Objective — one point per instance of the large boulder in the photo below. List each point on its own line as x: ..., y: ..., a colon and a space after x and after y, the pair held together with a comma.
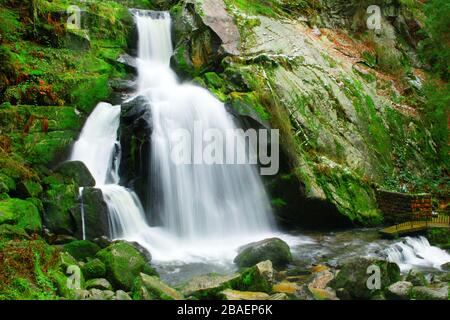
x: 152, y: 288
x: 123, y: 264
x: 273, y: 249
x: 21, y: 213
x: 78, y: 171
x: 352, y: 281
x: 208, y: 287
x: 82, y: 249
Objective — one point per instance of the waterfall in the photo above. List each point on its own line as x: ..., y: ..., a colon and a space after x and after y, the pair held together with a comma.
x: 416, y: 252
x: 206, y: 211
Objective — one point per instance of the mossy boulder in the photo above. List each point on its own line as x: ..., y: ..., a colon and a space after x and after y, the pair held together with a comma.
x: 257, y: 278
x: 28, y: 189
x: 21, y: 213
x: 208, y: 287
x: 94, y: 268
x: 82, y: 249
x: 9, y: 232
x: 78, y: 171
x: 152, y: 288
x: 273, y: 249
x: 123, y: 264
x: 417, y: 278
x: 352, y: 280
x: 60, y: 205
x: 437, y: 291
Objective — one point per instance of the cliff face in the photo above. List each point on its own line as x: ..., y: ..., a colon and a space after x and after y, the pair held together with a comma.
x: 345, y: 98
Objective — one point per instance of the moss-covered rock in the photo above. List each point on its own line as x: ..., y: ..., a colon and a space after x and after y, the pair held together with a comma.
x: 123, y: 264
x: 152, y: 288
x: 257, y: 278
x: 21, y: 213
x: 273, y: 249
x: 94, y: 268
x: 351, y: 281
x: 82, y: 249
x: 60, y: 205
x: 78, y: 171
x: 96, y: 215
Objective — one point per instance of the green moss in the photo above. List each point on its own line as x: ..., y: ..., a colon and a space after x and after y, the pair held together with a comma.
x: 123, y: 264
x: 93, y: 269
x: 82, y: 249
x: 22, y: 213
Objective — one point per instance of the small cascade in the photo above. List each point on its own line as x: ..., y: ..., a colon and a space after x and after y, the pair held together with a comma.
x: 416, y: 252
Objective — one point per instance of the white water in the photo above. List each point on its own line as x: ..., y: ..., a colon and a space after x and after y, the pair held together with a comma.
x: 207, y: 211
x: 416, y: 252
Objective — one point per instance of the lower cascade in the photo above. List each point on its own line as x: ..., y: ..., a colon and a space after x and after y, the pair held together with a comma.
x: 205, y: 211
x: 416, y: 252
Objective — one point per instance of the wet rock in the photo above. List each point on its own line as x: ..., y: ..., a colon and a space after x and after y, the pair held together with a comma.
x: 243, y: 295
x: 152, y: 288
x: 351, y: 281
x: 129, y: 62
x: 279, y: 296
x: 399, y: 290
x: 96, y: 215
x: 286, y: 287
x: 123, y: 264
x: 78, y: 171
x: 417, y: 278
x: 446, y: 266
x: 122, y: 295
x: 101, y: 284
x: 437, y: 291
x: 208, y: 286
x: 257, y: 278
x: 273, y: 249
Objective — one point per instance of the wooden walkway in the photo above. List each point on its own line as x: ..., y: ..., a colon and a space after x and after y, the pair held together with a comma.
x: 415, y: 226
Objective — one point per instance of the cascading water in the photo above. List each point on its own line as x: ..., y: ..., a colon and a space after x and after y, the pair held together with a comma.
x: 194, y: 201
x: 206, y: 211
x: 416, y: 252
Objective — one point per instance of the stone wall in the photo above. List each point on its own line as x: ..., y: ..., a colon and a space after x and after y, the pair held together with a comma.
x: 397, y: 207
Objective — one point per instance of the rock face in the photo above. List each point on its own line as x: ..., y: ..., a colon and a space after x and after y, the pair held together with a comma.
x: 274, y: 249
x: 136, y: 129
x: 304, y: 79
x: 354, y: 279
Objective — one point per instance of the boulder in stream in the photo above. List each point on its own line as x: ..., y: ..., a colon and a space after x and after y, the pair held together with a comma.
x: 273, y: 249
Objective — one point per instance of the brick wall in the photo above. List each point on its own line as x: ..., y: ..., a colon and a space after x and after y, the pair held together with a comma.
x: 398, y: 207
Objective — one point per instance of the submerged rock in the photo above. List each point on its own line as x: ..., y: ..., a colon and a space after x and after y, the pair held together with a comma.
x: 273, y: 249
